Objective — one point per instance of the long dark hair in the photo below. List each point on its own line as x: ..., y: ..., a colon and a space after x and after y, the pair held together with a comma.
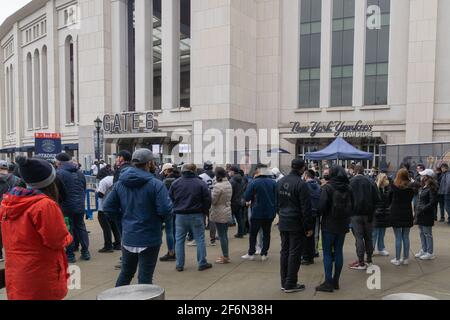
x: 51, y: 191
x: 220, y: 173
x: 431, y: 183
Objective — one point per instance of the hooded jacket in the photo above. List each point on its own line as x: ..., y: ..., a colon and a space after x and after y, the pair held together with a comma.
x: 294, y: 204
x: 34, y: 237
x: 329, y: 223
x: 144, y: 203
x: 75, y: 186
x: 238, y: 184
x: 365, y: 194
x: 221, y: 202
x: 262, y: 192
x: 425, y: 207
x: 401, y: 206
x: 190, y: 195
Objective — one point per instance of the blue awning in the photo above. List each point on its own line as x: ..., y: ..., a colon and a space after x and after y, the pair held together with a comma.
x: 8, y: 150
x: 339, y: 149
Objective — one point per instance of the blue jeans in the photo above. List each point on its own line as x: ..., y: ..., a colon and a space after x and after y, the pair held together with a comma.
x: 79, y: 232
x: 333, y: 245
x: 170, y: 236
x: 402, y: 236
x: 183, y: 224
x: 426, y: 238
x: 222, y: 229
x: 147, y: 263
x: 378, y: 238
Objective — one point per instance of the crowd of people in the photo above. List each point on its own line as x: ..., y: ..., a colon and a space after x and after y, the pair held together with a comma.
x: 43, y: 212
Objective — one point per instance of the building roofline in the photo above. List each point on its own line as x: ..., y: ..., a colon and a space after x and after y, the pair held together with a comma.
x: 19, y: 15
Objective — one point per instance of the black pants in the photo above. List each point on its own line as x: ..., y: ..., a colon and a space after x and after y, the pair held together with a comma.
x: 309, y: 248
x: 109, y: 228
x: 255, y: 226
x: 292, y: 243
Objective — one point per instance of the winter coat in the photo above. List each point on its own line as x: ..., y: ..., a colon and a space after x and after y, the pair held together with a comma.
x: 221, y: 202
x: 117, y: 173
x: 383, y: 210
x: 262, y: 192
x: 75, y: 185
x: 208, y: 178
x: 314, y: 191
x: 401, y: 206
x: 190, y: 195
x: 238, y: 184
x: 34, y: 238
x: 365, y: 194
x: 425, y: 207
x: 444, y: 186
x: 144, y: 203
x: 329, y: 223
x: 294, y: 204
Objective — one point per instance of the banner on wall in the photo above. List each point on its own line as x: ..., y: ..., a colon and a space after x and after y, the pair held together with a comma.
x: 47, y: 145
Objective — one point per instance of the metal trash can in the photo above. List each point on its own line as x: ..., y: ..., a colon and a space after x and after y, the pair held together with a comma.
x: 408, y: 296
x: 135, y: 292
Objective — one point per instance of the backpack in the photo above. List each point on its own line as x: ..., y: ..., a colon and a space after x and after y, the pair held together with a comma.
x: 342, y: 204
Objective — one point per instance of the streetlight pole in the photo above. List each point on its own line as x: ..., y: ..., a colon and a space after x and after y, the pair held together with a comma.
x: 98, y: 125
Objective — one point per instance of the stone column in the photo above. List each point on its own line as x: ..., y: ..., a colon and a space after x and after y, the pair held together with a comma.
x: 170, y: 54
x: 119, y: 33
x: 359, y: 60
x: 326, y: 51
x: 144, y: 55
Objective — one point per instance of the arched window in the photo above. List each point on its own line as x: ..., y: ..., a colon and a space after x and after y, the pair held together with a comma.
x: 44, y: 84
x: 37, y: 89
x: 70, y: 80
x: 29, y: 92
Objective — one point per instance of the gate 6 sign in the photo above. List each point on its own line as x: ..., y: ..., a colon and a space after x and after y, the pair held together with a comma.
x: 129, y: 122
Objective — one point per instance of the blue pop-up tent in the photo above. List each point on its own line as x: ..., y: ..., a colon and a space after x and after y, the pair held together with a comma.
x: 339, y: 149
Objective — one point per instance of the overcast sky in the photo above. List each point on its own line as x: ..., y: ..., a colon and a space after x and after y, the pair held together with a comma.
x: 8, y: 7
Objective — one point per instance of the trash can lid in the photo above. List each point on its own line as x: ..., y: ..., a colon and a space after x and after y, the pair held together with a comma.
x: 408, y: 296
x: 133, y: 292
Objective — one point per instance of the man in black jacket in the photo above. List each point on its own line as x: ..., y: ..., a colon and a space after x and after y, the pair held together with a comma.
x: 295, y: 224
x: 123, y: 161
x: 366, y: 197
x: 237, y: 199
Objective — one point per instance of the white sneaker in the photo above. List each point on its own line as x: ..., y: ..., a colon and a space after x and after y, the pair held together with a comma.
x: 383, y: 253
x: 258, y: 252
x: 427, y: 256
x: 192, y: 243
x: 419, y: 254
x: 248, y: 257
x: 395, y: 262
x: 264, y: 258
x: 405, y: 262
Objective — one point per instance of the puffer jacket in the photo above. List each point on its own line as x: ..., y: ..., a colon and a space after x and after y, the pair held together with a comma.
x: 34, y: 237
x: 383, y: 210
x: 144, y: 203
x: 221, y: 202
x: 425, y: 207
x: 75, y: 185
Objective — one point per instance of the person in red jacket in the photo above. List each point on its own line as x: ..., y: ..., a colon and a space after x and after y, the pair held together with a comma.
x: 34, y: 236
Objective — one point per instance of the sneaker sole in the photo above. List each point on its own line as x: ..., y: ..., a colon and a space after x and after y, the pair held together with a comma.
x: 294, y: 290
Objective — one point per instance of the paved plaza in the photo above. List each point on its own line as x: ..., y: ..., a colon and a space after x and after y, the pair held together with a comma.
x: 243, y: 280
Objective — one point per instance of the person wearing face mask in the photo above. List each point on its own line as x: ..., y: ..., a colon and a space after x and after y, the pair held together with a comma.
x: 145, y: 204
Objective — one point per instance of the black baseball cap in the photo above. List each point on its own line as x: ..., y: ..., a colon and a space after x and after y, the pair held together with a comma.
x: 125, y: 154
x: 298, y: 164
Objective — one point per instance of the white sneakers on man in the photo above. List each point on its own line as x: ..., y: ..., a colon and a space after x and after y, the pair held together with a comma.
x: 382, y: 253
x: 396, y: 262
x: 427, y: 256
x: 419, y: 254
x: 264, y: 258
x: 248, y: 257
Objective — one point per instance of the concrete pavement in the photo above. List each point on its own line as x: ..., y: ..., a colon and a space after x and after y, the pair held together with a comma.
x: 243, y: 280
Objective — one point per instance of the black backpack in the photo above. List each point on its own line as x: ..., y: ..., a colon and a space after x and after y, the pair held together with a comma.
x: 342, y: 204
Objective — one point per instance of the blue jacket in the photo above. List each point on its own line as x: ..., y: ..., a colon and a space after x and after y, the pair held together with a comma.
x: 144, y: 203
x: 190, y: 194
x: 74, y: 184
x: 262, y: 192
x: 314, y: 191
